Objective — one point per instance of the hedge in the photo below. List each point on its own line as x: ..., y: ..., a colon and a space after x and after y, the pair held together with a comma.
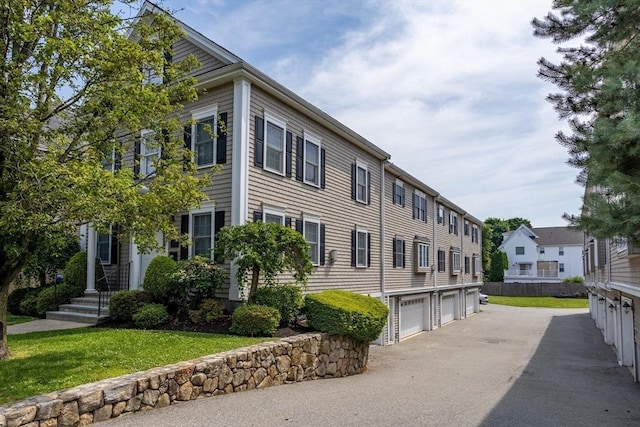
x: 157, y: 279
x: 287, y: 299
x: 255, y: 320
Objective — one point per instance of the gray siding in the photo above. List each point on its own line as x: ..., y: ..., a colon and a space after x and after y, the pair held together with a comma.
x: 183, y: 48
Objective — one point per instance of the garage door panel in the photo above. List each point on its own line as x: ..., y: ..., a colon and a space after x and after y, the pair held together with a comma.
x: 472, y: 300
x: 448, y: 309
x: 412, y: 317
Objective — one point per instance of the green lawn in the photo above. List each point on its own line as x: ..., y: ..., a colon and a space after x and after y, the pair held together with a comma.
x: 42, y: 362
x: 12, y: 319
x: 550, y: 302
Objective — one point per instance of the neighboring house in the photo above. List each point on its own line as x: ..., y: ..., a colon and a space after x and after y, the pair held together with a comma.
x: 542, y: 255
x: 371, y: 227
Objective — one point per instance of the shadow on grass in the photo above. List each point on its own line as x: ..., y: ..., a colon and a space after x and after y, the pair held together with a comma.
x: 572, y: 379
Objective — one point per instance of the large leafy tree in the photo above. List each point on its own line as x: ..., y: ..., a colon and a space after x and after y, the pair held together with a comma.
x: 74, y: 97
x: 492, y: 233
x: 599, y: 82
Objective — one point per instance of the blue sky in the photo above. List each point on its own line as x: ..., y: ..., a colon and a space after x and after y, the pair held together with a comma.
x: 448, y: 88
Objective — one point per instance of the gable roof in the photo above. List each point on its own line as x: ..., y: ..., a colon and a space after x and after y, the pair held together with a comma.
x: 558, y: 236
x: 523, y: 229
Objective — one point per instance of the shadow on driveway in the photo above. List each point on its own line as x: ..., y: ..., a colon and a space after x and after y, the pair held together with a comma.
x: 573, y: 378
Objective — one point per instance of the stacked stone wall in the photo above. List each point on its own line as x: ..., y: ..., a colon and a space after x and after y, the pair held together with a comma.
x: 299, y: 358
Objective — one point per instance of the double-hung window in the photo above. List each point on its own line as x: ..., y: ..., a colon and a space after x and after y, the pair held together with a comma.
x: 398, y: 193
x: 561, y: 267
x: 453, y: 223
x: 422, y: 256
x: 440, y: 215
x: 561, y: 251
x: 419, y: 206
x: 204, y: 136
x: 273, y: 215
x: 466, y: 228
x: 455, y: 261
x: 361, y: 183
x: 477, y: 265
x: 149, y: 153
x: 441, y: 261
x: 274, y: 153
x: 311, y: 161
x: 467, y: 265
x: 201, y: 231
x: 104, y: 248
x: 519, y: 250
x: 398, y: 252
x: 312, y: 236
x: 361, y: 247
x: 474, y: 234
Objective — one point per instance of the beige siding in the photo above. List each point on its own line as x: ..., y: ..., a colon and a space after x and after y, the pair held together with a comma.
x: 333, y: 205
x: 624, y: 269
x: 445, y: 241
x: 183, y: 48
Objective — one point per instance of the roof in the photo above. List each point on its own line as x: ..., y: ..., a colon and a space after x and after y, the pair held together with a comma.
x: 558, y: 236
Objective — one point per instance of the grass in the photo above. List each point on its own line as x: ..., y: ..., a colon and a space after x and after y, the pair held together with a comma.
x: 548, y: 302
x: 12, y: 319
x: 42, y: 362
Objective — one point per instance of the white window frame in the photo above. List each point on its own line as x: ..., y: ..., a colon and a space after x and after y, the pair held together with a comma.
x: 561, y: 251
x: 421, y: 198
x: 466, y: 228
x: 456, y: 261
x: 440, y: 215
x: 110, y: 235
x: 314, y: 140
x: 444, y: 261
x: 477, y: 266
x: 365, y: 235
x: 467, y: 264
x: 109, y: 163
x: 541, y: 250
x: 422, y: 255
x: 313, y: 250
x: 474, y: 234
x: 561, y: 267
x: 398, y: 187
x: 516, y: 250
x: 453, y: 223
x: 269, y: 118
x: 272, y: 211
x: 399, y: 254
x: 362, y: 166
x: 147, y: 167
x: 197, y: 116
x: 206, y: 208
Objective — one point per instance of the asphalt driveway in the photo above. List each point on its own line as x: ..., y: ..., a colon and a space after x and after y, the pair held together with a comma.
x: 505, y: 366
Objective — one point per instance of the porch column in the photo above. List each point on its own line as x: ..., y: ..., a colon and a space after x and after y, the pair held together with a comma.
x: 134, y: 273
x: 91, y: 259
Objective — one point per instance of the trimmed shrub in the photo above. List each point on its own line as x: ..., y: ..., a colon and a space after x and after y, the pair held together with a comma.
x: 157, y: 279
x: 150, y: 316
x: 574, y: 279
x: 52, y: 297
x: 75, y: 273
x: 346, y: 313
x: 209, y: 311
x: 15, y: 298
x: 255, y: 320
x: 195, y: 280
x: 123, y: 305
x: 29, y: 304
x: 287, y: 299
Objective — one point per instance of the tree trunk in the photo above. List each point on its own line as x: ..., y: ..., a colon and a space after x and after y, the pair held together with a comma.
x: 254, y: 284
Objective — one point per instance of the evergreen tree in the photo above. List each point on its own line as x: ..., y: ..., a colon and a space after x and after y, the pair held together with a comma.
x: 599, y: 96
x: 499, y: 264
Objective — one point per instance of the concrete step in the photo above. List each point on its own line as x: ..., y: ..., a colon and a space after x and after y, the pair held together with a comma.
x: 76, y: 317
x: 83, y: 308
x: 88, y: 300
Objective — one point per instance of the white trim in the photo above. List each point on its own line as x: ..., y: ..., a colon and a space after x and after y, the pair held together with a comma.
x: 269, y: 117
x: 628, y: 289
x: 315, y: 140
x: 362, y: 165
x: 110, y: 234
x: 144, y: 157
x: 274, y: 211
x: 366, y: 247
x: 205, y: 208
x: 197, y: 115
x: 314, y: 220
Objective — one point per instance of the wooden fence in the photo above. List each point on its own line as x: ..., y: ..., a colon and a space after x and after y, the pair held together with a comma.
x: 533, y: 289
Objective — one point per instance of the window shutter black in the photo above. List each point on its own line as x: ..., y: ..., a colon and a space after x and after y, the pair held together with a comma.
x: 415, y: 203
x: 184, y: 229
x: 323, y: 173
x: 394, y: 191
x: 353, y: 181
x: 353, y: 248
x: 404, y: 254
x: 368, y: 249
x: 402, y: 188
x: 168, y: 59
x: 299, y: 159
x: 299, y: 226
x: 136, y: 158
x: 114, y: 245
x: 218, y: 221
x: 394, y: 252
x: 289, y: 160
x: 258, y: 149
x: 287, y: 221
x: 368, y: 188
x: 165, y: 143
x: 221, y: 143
x: 322, y: 243
x: 117, y: 160
x: 187, y: 144
x: 257, y: 216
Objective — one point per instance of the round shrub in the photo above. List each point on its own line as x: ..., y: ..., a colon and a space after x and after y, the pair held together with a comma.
x: 209, y: 311
x: 150, y: 316
x: 52, y: 297
x: 75, y: 273
x: 287, y: 299
x: 255, y: 320
x: 123, y: 305
x: 157, y: 279
x: 15, y: 298
x: 346, y: 313
x: 197, y: 279
x: 29, y: 304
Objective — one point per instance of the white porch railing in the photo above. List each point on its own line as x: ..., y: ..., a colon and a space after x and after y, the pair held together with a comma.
x: 530, y: 273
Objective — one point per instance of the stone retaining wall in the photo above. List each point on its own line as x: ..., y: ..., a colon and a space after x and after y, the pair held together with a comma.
x: 299, y: 358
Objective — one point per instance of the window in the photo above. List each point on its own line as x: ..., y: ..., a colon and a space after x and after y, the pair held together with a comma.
x: 273, y: 215
x: 398, y: 252
x: 362, y: 184
x: 398, y: 193
x: 361, y: 247
x: 474, y: 234
x: 477, y: 265
x: 422, y: 256
x: 312, y: 235
x: 453, y: 223
x: 467, y: 265
x: 560, y: 251
x: 466, y: 228
x: 419, y: 206
x: 542, y: 249
x: 441, y: 261
x: 149, y: 153
x: 201, y: 231
x: 455, y: 262
x: 440, y: 215
x: 312, y: 162
x: 561, y: 267
x: 275, y: 144
x: 204, y: 142
x: 519, y: 250
x: 104, y: 248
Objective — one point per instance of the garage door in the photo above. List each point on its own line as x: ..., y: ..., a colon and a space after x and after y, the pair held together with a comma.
x: 411, y: 317
x: 448, y: 309
x: 472, y: 300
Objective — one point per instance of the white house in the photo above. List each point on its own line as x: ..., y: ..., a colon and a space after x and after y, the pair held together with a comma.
x: 545, y: 254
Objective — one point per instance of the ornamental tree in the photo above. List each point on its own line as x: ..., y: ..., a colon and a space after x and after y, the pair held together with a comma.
x: 78, y: 85
x: 599, y: 83
x: 264, y: 250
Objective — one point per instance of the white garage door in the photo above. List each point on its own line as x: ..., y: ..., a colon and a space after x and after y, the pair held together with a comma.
x: 448, y: 309
x: 411, y: 317
x: 472, y: 300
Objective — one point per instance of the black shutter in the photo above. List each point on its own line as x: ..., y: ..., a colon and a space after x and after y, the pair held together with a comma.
x: 394, y: 191
x: 184, y: 229
x: 187, y: 145
x: 404, y: 254
x: 287, y: 221
x: 117, y: 160
x: 299, y: 226
x: 257, y: 216
x: 368, y: 188
x: 353, y: 181
x: 323, y: 173
x: 136, y: 158
x: 218, y: 223
x: 168, y: 59
x: 114, y: 245
x: 165, y: 144
x: 402, y: 189
x: 288, y: 148
x: 353, y: 248
x: 299, y: 159
x: 221, y: 144
x: 414, y: 205
x: 258, y: 149
x: 368, y: 249
x: 393, y: 243
x: 322, y: 243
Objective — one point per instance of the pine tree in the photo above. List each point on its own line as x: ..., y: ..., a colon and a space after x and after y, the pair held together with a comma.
x: 599, y: 82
